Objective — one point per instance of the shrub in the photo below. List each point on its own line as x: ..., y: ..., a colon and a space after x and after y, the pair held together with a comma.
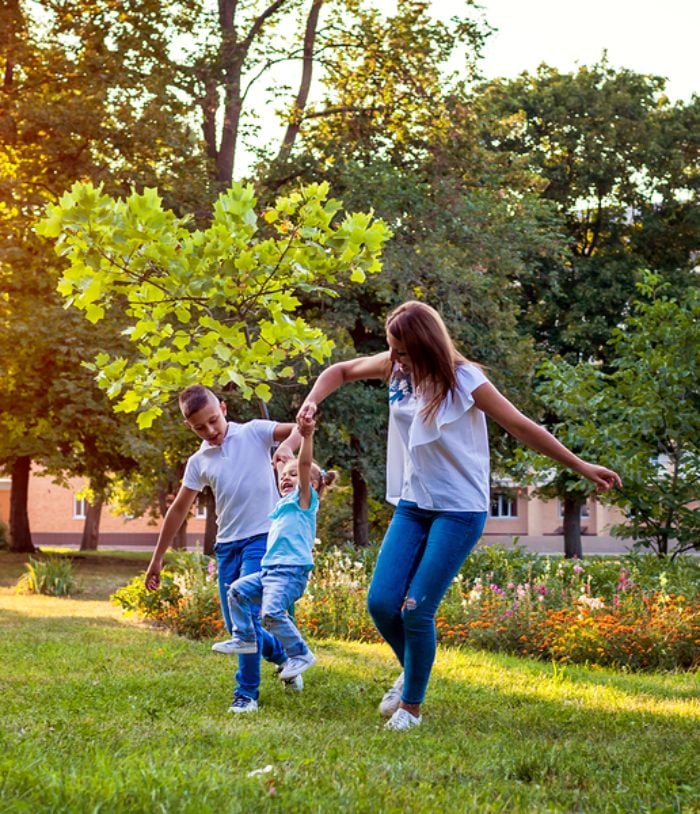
x: 52, y: 576
x: 4, y: 537
x: 335, y: 602
x: 187, y: 600
x: 635, y: 612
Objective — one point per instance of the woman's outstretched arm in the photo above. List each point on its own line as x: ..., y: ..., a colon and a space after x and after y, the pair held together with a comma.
x: 503, y: 412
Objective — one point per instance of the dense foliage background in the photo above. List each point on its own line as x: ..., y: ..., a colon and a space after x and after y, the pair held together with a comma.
x: 527, y: 210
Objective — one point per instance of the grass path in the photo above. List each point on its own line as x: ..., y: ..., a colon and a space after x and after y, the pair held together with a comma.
x: 103, y: 714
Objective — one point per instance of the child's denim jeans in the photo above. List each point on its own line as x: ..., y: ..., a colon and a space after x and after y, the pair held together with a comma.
x: 422, y: 553
x: 275, y: 589
x: 234, y: 560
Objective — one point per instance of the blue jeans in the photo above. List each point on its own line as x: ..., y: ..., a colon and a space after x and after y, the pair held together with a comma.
x: 238, y: 559
x: 275, y: 589
x: 422, y: 553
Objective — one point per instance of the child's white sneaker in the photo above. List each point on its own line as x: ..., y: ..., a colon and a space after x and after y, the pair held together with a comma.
x: 392, y: 698
x: 241, y: 703
x: 402, y: 720
x: 296, y: 665
x: 235, y: 646
x: 296, y: 683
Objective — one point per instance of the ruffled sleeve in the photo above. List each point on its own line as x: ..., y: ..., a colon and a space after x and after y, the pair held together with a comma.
x: 469, y: 377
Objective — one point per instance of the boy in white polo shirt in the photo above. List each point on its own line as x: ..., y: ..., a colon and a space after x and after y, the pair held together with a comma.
x: 234, y: 461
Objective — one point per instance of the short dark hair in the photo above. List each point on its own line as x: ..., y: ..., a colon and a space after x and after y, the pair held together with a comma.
x: 194, y: 398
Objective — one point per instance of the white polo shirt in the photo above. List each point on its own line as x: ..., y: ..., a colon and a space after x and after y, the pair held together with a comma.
x: 240, y: 475
x: 442, y: 464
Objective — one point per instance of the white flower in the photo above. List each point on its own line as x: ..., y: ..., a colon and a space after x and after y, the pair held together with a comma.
x: 592, y: 602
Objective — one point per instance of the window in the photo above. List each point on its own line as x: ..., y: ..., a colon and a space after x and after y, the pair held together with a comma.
x: 585, y: 514
x: 503, y: 505
x: 200, y: 509
x: 79, y: 508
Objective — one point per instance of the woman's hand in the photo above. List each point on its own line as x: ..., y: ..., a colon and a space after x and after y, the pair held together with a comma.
x: 307, y: 412
x: 604, y: 478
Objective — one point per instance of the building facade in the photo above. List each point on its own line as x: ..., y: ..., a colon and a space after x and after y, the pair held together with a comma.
x: 57, y: 516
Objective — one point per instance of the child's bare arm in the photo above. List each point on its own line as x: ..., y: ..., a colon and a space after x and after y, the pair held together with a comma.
x: 174, y: 518
x: 304, y: 461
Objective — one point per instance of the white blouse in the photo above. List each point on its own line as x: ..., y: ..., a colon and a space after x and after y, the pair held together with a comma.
x: 442, y: 464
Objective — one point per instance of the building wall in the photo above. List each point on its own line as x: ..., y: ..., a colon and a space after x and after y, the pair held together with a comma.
x: 536, y: 517
x: 5, y: 484
x: 53, y: 522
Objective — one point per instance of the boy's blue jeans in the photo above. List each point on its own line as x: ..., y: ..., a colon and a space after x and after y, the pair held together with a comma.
x: 422, y: 553
x: 238, y: 559
x: 274, y: 589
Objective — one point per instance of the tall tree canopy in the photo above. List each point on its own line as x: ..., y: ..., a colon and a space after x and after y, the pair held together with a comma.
x: 75, y: 102
x: 621, y: 164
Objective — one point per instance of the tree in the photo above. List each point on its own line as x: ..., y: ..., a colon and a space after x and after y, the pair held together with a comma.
x: 212, y: 306
x: 383, y: 135
x: 68, y: 110
x: 618, y: 164
x: 642, y: 415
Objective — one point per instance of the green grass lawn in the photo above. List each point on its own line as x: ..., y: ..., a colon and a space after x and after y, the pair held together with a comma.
x: 104, y: 714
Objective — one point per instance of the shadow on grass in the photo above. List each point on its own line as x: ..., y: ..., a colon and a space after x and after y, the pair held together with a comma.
x: 97, y: 575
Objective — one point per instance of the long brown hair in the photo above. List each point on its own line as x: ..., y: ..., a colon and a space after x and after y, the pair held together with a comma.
x: 422, y: 332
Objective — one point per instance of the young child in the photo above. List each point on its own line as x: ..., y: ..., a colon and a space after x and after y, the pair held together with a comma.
x: 286, y: 565
x: 234, y: 460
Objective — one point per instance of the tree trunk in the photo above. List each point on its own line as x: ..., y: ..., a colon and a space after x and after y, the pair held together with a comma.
x: 360, y: 512
x: 91, y: 527
x: 305, y: 85
x: 210, y: 527
x: 572, y: 528
x: 20, y: 535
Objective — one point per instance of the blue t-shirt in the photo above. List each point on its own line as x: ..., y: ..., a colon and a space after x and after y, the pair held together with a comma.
x: 292, y: 533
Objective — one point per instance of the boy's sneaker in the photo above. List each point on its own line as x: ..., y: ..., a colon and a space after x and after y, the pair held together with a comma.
x: 392, y: 698
x: 402, y: 720
x: 296, y: 665
x: 296, y: 683
x: 241, y: 703
x: 235, y: 645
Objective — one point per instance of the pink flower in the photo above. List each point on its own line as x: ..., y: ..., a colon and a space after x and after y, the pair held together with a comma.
x: 577, y: 569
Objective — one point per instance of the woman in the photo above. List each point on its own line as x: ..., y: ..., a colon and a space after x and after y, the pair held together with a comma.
x: 438, y: 478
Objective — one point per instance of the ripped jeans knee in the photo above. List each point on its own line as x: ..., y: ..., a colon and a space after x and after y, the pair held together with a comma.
x: 417, y: 617
x: 269, y: 620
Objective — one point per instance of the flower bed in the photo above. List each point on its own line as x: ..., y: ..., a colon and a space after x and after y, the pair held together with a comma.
x: 635, y: 613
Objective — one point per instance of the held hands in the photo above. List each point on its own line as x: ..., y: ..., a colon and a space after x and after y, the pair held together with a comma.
x: 307, y: 411
x: 306, y: 427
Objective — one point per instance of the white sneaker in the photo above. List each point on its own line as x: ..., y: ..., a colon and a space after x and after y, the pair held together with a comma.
x: 296, y: 683
x: 235, y: 646
x: 392, y: 698
x: 296, y: 665
x: 241, y: 703
x: 402, y: 720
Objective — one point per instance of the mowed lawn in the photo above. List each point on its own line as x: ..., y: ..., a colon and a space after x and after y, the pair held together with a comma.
x: 101, y: 713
